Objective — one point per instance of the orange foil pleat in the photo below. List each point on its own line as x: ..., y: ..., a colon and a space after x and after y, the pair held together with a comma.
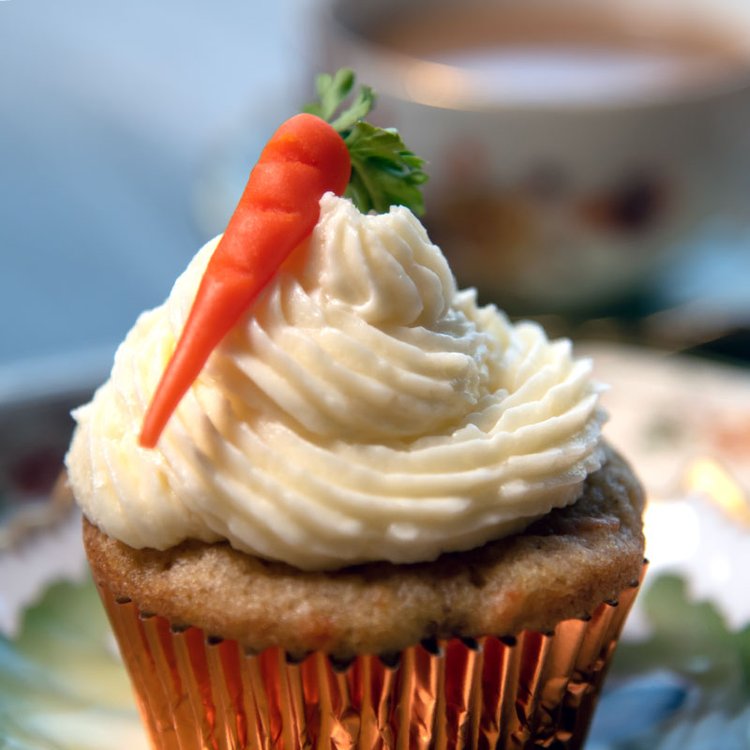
x: 532, y: 691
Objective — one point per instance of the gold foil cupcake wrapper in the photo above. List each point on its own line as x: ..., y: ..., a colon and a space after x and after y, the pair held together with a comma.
x: 531, y: 691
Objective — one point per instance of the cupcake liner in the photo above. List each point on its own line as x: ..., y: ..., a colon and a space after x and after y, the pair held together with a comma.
x: 528, y: 691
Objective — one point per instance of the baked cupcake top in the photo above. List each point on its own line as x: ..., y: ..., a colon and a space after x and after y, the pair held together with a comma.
x: 362, y: 409
x: 561, y: 567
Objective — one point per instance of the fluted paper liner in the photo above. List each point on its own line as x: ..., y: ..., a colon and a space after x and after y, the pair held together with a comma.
x: 532, y: 691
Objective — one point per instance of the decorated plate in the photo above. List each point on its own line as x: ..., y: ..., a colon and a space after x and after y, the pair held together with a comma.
x: 681, y: 677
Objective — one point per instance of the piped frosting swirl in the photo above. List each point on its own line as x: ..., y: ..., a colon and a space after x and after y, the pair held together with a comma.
x: 363, y: 409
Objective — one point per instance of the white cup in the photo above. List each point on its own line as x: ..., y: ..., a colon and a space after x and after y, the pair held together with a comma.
x: 572, y: 144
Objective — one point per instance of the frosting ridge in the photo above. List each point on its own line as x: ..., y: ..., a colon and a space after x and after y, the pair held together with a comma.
x: 363, y: 409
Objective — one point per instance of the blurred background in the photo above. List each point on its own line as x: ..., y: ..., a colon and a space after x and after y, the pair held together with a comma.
x: 590, y: 169
x: 109, y: 114
x: 589, y: 166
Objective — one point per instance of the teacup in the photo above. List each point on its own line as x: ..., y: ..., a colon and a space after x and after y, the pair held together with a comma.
x: 573, y: 145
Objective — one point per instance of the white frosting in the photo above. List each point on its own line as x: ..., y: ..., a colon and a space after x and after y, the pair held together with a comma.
x: 363, y: 409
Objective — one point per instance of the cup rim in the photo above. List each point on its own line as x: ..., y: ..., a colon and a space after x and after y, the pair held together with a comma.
x: 443, y: 86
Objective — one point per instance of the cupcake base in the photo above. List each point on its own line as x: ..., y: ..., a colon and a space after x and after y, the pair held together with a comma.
x: 533, y: 690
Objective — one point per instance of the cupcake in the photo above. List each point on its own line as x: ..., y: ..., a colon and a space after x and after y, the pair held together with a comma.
x: 359, y: 510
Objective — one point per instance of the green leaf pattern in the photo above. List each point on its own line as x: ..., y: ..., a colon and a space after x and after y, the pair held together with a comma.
x: 62, y: 684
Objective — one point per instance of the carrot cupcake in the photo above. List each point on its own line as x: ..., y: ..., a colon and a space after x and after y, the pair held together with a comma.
x: 332, y: 501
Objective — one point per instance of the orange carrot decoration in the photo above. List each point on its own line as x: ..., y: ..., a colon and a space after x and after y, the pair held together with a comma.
x: 278, y: 209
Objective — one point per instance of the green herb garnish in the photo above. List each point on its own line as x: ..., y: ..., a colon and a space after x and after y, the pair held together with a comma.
x: 384, y: 171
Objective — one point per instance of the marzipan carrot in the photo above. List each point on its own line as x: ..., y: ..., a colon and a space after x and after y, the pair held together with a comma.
x: 279, y: 208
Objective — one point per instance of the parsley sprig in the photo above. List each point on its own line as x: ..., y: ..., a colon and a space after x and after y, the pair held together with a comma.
x: 384, y: 171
